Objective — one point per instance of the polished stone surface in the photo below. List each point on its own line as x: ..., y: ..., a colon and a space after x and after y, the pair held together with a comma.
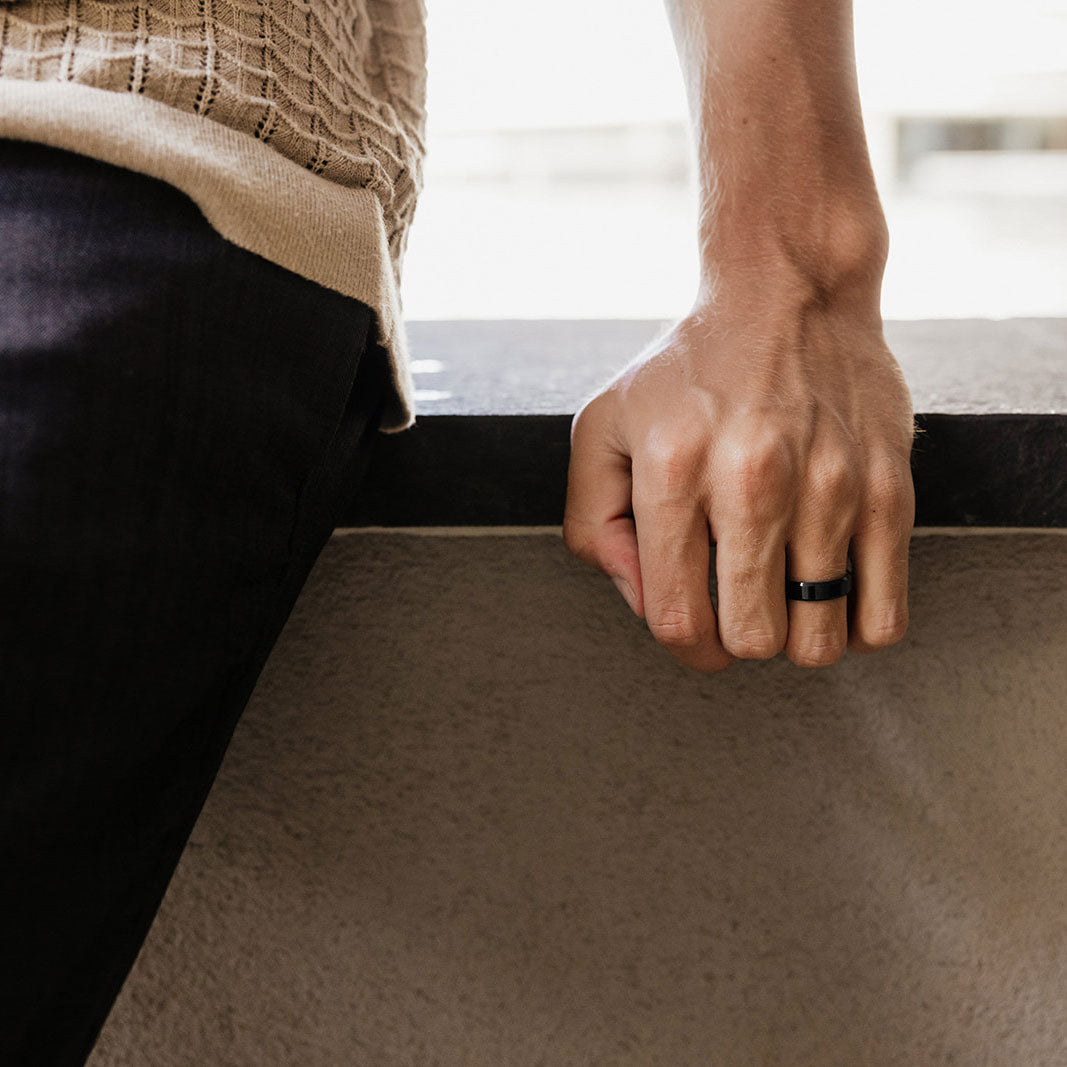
x: 543, y: 367
x: 491, y: 441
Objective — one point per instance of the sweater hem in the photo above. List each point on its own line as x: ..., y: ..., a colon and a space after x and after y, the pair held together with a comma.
x: 252, y: 195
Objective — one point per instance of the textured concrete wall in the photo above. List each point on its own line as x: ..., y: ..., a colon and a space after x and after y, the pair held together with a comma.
x: 475, y: 815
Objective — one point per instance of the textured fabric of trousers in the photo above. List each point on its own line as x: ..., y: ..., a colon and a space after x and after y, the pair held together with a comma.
x: 181, y: 424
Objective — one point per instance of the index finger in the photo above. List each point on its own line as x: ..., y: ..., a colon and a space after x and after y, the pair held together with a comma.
x: 673, y: 543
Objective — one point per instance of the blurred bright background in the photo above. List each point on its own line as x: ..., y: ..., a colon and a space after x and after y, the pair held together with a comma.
x: 559, y: 177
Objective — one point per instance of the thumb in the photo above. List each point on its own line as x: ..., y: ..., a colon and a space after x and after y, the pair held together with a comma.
x: 598, y: 525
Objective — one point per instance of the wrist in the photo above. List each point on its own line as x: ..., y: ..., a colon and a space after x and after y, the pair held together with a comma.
x: 786, y: 182
x: 833, y: 255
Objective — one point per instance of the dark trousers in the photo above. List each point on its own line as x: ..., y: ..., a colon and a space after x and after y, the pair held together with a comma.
x: 181, y: 423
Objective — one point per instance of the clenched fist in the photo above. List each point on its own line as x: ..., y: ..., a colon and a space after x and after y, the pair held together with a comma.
x: 778, y: 429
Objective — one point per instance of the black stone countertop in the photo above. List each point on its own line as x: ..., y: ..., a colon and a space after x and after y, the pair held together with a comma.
x: 496, y: 397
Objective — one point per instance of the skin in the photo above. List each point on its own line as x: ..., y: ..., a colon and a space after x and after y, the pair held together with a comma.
x: 772, y: 421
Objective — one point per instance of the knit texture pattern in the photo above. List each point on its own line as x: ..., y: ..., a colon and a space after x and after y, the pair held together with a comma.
x: 337, y: 86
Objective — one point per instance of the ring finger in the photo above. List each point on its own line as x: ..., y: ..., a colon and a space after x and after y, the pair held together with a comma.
x: 818, y: 629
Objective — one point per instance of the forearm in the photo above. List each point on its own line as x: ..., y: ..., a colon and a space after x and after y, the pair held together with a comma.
x: 786, y: 185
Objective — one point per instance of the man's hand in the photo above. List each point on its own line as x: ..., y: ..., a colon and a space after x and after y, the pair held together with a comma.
x: 772, y: 420
x: 781, y: 432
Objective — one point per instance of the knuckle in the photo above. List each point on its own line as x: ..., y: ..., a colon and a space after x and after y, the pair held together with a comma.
x: 818, y: 650
x: 760, y: 477
x: 835, y: 480
x: 675, y: 464
x: 753, y: 642
x: 809, y: 658
x: 677, y: 628
x: 886, y: 629
x: 889, y: 484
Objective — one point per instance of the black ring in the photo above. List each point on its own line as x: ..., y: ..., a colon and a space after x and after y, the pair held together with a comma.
x: 837, y: 587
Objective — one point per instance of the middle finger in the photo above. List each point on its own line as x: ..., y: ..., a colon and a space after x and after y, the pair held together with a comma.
x: 750, y: 572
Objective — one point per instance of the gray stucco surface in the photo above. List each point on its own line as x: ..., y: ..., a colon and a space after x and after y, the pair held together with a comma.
x: 475, y: 815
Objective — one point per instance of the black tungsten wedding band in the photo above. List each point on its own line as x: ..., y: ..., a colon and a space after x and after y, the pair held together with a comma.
x: 831, y: 590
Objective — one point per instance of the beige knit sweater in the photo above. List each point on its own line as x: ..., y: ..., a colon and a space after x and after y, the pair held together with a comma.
x: 297, y: 127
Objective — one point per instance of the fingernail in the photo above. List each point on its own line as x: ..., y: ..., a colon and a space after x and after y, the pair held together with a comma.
x: 627, y: 591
